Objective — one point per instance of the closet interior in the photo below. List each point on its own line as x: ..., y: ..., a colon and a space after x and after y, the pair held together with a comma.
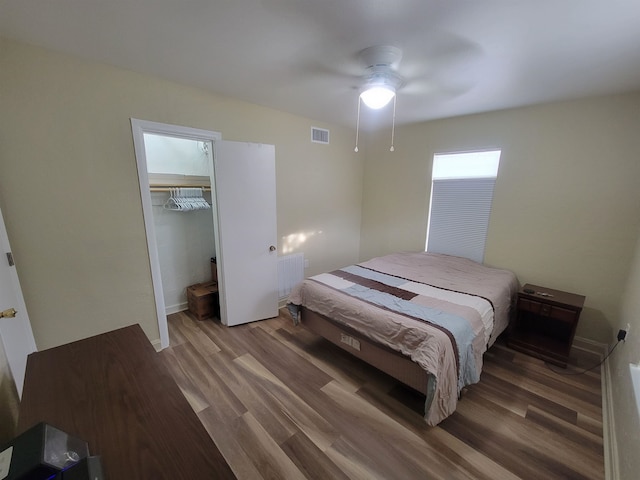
x: 179, y: 172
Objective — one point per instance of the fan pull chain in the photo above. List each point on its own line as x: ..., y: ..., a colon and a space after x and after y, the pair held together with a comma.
x: 393, y: 124
x: 357, y: 125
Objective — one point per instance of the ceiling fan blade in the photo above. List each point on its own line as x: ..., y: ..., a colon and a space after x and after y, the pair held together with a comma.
x: 443, y: 68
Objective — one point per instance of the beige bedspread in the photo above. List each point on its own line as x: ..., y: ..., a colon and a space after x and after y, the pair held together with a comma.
x: 441, y: 311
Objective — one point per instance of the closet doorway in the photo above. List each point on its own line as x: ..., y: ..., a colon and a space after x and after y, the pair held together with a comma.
x: 241, y: 178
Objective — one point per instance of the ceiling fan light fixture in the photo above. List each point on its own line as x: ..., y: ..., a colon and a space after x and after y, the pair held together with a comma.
x: 380, y: 82
x: 377, y: 96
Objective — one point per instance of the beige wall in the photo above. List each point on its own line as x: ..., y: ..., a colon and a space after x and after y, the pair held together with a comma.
x: 70, y: 197
x: 566, y: 201
x: 627, y: 422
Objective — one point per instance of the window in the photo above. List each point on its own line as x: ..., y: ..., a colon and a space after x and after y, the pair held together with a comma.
x: 461, y: 196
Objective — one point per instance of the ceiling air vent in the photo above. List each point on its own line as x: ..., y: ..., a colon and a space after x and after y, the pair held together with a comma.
x: 319, y: 135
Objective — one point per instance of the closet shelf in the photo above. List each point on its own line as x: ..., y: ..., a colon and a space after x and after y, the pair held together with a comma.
x: 167, y: 188
x: 164, y: 182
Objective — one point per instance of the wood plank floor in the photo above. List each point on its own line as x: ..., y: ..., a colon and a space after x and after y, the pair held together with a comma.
x: 282, y: 403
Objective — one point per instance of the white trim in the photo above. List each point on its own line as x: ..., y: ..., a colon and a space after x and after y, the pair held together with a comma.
x: 20, y: 306
x: 610, y: 444
x: 590, y: 346
x: 611, y: 471
x: 180, y: 307
x: 138, y: 129
x: 611, y: 458
x: 156, y: 344
x: 462, y: 152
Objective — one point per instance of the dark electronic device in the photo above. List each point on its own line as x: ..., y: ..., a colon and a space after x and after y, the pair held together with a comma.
x: 528, y: 290
x: 88, y: 468
x: 40, y: 453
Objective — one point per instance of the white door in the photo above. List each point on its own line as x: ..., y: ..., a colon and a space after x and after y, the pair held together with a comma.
x: 245, y: 184
x: 15, y: 333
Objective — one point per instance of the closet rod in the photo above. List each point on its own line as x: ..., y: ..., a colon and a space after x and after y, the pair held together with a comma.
x: 167, y: 188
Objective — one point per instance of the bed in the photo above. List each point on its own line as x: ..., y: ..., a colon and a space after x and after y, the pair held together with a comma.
x: 425, y: 319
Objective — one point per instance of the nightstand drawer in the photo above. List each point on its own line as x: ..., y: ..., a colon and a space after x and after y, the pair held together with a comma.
x: 546, y: 310
x: 561, y: 314
x: 527, y: 305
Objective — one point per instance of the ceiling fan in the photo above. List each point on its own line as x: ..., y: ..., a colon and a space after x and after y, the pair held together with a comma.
x: 380, y: 81
x: 434, y: 74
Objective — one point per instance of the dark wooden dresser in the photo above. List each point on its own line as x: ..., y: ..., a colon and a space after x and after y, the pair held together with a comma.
x: 114, y: 392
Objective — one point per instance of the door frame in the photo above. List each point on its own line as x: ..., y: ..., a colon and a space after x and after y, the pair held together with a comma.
x: 139, y: 128
x: 21, y: 307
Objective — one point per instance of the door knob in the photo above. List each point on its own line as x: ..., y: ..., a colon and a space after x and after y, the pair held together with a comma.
x: 9, y: 313
x: 272, y: 248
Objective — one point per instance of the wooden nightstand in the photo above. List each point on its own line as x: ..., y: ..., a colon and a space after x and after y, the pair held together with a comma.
x: 545, y: 323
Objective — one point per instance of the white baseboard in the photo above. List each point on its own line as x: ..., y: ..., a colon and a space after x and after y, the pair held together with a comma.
x: 282, y: 302
x: 180, y: 307
x: 608, y: 421
x: 590, y: 346
x: 611, y: 471
x: 157, y: 344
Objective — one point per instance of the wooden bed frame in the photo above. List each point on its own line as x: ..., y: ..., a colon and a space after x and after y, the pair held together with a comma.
x: 393, y: 363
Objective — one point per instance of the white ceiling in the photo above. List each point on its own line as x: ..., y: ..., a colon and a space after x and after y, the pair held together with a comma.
x: 301, y: 56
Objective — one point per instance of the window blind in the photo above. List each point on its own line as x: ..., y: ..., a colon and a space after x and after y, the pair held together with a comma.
x: 459, y: 218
